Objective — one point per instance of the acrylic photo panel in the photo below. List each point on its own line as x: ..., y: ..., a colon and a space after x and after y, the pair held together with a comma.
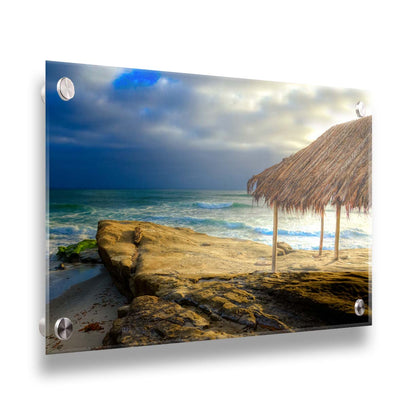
x: 184, y: 207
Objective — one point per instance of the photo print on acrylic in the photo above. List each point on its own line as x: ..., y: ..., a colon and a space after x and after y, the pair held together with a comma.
x: 186, y: 207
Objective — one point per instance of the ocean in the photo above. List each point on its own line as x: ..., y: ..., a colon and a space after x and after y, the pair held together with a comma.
x: 73, y: 216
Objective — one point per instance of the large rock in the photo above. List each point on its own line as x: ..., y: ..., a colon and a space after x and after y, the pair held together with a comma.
x: 151, y: 320
x: 166, y: 257
x: 187, y: 286
x: 118, y: 252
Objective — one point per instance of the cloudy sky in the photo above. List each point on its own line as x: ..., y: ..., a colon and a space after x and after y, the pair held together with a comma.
x: 146, y: 129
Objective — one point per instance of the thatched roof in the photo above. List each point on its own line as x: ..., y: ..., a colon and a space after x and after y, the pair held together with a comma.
x: 334, y: 168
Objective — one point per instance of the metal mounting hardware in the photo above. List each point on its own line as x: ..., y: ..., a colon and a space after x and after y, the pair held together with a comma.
x: 359, y: 307
x: 66, y: 89
x: 360, y: 109
x: 42, y: 326
x: 63, y: 329
x: 42, y: 94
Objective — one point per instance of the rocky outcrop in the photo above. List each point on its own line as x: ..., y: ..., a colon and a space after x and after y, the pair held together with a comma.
x: 185, y: 285
x: 152, y: 320
x: 90, y: 256
x: 162, y: 258
x: 118, y: 252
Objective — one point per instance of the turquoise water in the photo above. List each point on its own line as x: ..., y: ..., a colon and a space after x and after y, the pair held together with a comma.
x: 74, y: 214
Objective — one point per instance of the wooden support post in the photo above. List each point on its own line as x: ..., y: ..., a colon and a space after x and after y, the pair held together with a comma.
x: 321, y: 241
x: 274, y: 252
x: 337, y: 228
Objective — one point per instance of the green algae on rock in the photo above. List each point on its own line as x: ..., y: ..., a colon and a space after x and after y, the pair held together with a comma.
x: 72, y: 253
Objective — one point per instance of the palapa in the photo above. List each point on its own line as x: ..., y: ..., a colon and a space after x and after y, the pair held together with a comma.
x: 335, y: 169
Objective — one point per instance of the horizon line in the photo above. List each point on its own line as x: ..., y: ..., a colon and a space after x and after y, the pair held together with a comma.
x: 144, y: 189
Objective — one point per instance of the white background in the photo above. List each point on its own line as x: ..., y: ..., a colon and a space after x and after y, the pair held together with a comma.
x: 360, y: 44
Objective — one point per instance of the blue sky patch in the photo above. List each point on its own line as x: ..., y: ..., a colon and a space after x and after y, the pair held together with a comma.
x: 136, y: 78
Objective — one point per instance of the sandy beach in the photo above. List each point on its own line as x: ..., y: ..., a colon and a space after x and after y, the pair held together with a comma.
x: 94, y: 301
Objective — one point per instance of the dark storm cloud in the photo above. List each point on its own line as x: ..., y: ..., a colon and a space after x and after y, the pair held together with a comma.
x: 134, y: 128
